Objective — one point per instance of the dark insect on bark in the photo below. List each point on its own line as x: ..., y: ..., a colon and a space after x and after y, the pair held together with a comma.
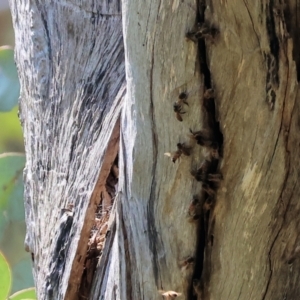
x: 195, y: 208
x: 207, y: 174
x: 177, y: 106
x: 202, y: 175
x: 186, y: 263
x: 202, y: 31
x: 205, y: 138
x: 183, y: 97
x: 178, y: 111
x: 209, y: 94
x: 197, y: 288
x: 182, y: 148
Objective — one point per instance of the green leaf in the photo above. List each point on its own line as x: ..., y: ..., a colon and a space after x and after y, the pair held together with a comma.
x: 11, y: 136
x: 12, y: 220
x: 5, y: 282
x: 9, y: 82
x: 11, y: 173
x: 28, y: 294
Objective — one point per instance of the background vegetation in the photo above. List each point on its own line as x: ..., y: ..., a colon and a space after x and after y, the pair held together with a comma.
x: 15, y: 264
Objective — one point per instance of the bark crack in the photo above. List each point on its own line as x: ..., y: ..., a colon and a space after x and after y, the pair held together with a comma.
x: 153, y: 238
x: 246, y: 5
x: 272, y: 57
x: 286, y: 176
x: 147, y: 25
x: 93, y: 234
x: 277, y: 235
x: 127, y: 261
x: 200, y: 282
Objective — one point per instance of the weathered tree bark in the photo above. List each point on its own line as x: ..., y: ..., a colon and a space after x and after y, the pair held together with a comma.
x: 244, y: 242
x: 70, y: 58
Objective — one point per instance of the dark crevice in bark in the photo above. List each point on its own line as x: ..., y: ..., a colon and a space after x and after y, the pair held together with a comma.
x: 201, y: 275
x: 129, y: 283
x: 60, y: 253
x: 284, y: 186
x: 272, y: 58
x: 291, y: 14
x: 95, y: 229
x: 273, y: 39
x: 153, y: 237
x: 99, y: 230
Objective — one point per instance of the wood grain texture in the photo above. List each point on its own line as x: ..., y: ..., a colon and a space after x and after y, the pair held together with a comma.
x: 256, y: 222
x: 70, y: 59
x: 154, y: 192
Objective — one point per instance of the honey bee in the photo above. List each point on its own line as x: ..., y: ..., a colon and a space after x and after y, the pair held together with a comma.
x: 209, y: 190
x: 204, y: 173
x: 169, y: 295
x: 202, y: 31
x: 197, y: 288
x: 208, y: 204
x: 195, y: 208
x: 181, y: 149
x: 215, y: 177
x: 185, y: 149
x: 178, y: 111
x: 201, y: 174
x: 182, y: 98
x: 177, y: 106
x: 209, y: 94
x: 204, y: 138
x: 187, y: 263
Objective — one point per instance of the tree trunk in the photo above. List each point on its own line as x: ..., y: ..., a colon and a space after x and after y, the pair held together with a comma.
x: 109, y: 216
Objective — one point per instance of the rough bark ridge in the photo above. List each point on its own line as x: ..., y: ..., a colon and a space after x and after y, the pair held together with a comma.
x: 70, y: 58
x: 154, y: 194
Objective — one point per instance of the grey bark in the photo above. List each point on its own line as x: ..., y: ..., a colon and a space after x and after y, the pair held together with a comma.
x: 70, y: 58
x: 71, y: 66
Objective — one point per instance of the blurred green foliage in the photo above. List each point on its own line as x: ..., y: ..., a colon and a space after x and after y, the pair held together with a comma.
x: 9, y: 82
x: 11, y: 136
x: 12, y: 221
x: 11, y: 139
x: 28, y: 294
x: 15, y: 263
x: 5, y: 281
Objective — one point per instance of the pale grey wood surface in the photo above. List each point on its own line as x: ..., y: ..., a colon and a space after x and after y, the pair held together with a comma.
x: 70, y: 59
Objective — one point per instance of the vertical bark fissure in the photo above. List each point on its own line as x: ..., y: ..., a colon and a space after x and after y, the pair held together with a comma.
x: 201, y: 275
x: 83, y: 269
x: 129, y: 282
x: 293, y: 27
x: 272, y: 58
x: 99, y: 230
x: 251, y: 19
x: 287, y: 159
x: 276, y: 237
x: 153, y: 238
